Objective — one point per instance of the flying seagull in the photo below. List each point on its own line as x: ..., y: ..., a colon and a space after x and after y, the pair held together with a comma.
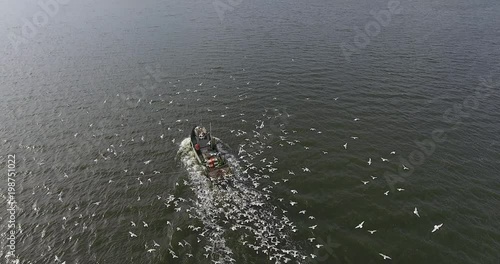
x: 384, y: 256
x: 416, y: 212
x: 436, y: 227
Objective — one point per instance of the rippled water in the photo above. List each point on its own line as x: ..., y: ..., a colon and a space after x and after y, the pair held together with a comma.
x: 98, y: 102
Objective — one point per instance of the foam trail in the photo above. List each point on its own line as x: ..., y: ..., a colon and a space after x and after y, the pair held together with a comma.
x: 240, y: 209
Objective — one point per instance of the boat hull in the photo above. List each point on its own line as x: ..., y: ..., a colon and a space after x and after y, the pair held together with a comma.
x: 209, y: 155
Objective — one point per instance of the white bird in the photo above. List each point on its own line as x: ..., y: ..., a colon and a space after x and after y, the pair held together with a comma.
x: 360, y: 225
x: 386, y: 193
x: 319, y: 245
x: 400, y: 189
x: 356, y: 119
x: 145, y: 224
x: 156, y: 244
x: 372, y: 231
x: 405, y: 168
x: 354, y: 137
x: 147, y: 162
x: 311, y: 217
x: 393, y: 152
x: 291, y: 172
x: 151, y: 250
x: 416, y: 212
x: 436, y: 227
x: 132, y: 234
x: 306, y: 169
x: 302, y: 212
x: 311, y: 239
x: 132, y: 223
x: 386, y: 160
x: 384, y: 256
x: 313, y: 227
x: 294, y: 191
x: 369, y: 161
x: 345, y: 145
x: 373, y: 177
x: 365, y: 182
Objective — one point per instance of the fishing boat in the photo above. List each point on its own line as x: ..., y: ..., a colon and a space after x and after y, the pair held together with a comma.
x: 210, y: 155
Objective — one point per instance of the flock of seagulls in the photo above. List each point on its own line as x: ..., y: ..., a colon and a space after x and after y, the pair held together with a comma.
x: 254, y: 206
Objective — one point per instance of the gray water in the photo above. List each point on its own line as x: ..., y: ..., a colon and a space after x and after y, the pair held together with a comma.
x: 98, y: 99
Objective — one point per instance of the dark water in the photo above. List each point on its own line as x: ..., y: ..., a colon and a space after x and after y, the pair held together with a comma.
x: 97, y: 101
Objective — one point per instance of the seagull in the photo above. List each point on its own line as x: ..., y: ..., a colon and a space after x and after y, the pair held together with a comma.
x: 386, y: 193
x: 354, y: 137
x: 302, y: 212
x: 386, y: 160
x: 291, y: 172
x: 405, y: 168
x: 369, y: 161
x: 416, y: 212
x: 313, y: 227
x: 365, y: 182
x: 132, y: 223
x: 151, y: 250
x: 156, y: 244
x: 436, y: 227
x: 318, y: 245
x: 306, y: 169
x: 393, y: 152
x: 372, y: 231
x: 311, y: 217
x: 311, y: 239
x: 360, y: 225
x: 132, y: 234
x: 373, y: 177
x: 400, y: 189
x: 294, y: 191
x: 384, y: 256
x: 147, y: 162
x: 356, y: 119
x: 345, y: 145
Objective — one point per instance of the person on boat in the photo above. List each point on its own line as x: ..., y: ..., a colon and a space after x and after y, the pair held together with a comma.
x: 197, y: 148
